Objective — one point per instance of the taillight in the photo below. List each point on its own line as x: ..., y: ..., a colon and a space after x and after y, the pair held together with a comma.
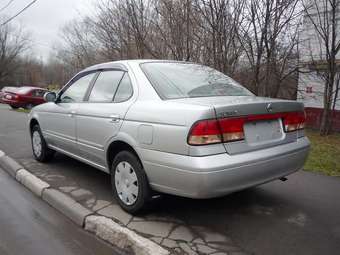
x: 231, y: 129
x: 216, y: 131
x: 205, y: 132
x: 294, y: 121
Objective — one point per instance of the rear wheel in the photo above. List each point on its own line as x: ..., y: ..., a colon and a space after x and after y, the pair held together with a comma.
x: 41, y: 152
x: 129, y: 182
x: 29, y: 106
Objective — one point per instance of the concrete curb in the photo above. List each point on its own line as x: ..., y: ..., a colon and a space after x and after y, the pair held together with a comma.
x: 122, y: 237
x: 101, y: 226
x: 10, y: 165
x: 66, y: 205
x: 31, y: 182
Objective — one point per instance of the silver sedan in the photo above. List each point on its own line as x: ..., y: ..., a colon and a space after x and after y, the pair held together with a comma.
x: 172, y: 127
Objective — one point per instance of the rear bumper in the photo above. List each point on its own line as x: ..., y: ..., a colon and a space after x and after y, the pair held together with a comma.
x: 12, y: 102
x: 218, y: 175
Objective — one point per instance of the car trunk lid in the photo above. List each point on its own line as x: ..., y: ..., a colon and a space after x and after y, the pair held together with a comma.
x: 261, y: 119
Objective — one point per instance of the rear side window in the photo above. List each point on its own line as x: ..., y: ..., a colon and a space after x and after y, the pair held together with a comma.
x: 183, y: 80
x: 105, y: 86
x: 124, y: 91
x: 76, y: 92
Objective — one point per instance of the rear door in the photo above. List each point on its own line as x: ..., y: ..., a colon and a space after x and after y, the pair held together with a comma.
x: 100, y: 117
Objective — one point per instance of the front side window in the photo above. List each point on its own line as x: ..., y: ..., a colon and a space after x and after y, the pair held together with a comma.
x: 174, y: 80
x: 76, y: 92
x: 124, y: 91
x: 105, y: 86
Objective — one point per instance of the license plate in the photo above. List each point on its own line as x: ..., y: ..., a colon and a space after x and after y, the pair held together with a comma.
x: 263, y: 131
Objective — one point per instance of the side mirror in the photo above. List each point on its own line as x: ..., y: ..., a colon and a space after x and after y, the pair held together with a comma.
x: 50, y: 96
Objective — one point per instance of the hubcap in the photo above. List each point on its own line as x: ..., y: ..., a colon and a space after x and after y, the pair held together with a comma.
x: 36, y: 141
x: 126, y: 183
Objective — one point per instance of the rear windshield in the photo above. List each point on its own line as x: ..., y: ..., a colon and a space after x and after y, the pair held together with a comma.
x: 23, y: 90
x: 174, y: 80
x: 9, y: 89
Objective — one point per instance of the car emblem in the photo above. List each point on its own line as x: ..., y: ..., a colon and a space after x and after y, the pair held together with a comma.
x: 228, y: 114
x: 269, y: 107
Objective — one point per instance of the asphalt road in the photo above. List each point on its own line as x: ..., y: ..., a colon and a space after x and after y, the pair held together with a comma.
x: 299, y: 216
x: 30, y: 226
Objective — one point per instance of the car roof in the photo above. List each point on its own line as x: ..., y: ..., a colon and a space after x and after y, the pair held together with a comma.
x: 25, y: 89
x: 121, y: 64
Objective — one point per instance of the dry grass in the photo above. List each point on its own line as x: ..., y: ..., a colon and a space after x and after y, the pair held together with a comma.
x: 325, y: 154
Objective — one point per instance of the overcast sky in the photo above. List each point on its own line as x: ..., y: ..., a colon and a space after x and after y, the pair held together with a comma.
x: 44, y: 19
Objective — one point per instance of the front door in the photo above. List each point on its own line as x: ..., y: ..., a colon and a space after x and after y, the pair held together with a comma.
x: 59, y: 123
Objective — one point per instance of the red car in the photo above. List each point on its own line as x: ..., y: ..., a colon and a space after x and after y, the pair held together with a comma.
x: 26, y: 97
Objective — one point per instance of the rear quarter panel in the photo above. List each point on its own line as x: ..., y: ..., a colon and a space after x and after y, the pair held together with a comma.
x: 163, y: 125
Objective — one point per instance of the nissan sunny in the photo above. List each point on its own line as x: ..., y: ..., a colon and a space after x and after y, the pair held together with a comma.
x: 170, y: 127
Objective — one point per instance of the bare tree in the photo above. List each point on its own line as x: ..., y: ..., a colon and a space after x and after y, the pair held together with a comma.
x: 140, y: 15
x: 79, y: 48
x: 123, y: 28
x: 254, y: 38
x: 220, y: 20
x: 13, y: 43
x: 55, y: 72
x: 173, y: 24
x: 269, y: 39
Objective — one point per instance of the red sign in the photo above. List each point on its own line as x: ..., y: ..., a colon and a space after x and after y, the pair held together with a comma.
x: 309, y: 90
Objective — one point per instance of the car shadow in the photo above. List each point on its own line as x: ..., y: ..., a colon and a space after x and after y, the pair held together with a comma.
x: 98, y: 182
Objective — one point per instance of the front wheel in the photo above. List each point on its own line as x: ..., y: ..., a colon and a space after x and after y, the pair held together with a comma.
x: 129, y: 182
x: 14, y: 107
x: 41, y: 152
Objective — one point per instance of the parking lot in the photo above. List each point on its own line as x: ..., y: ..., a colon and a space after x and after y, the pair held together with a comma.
x: 299, y: 216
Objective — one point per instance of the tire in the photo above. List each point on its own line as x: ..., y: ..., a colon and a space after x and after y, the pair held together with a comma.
x: 29, y: 106
x: 129, y: 183
x: 40, y: 150
x: 14, y: 107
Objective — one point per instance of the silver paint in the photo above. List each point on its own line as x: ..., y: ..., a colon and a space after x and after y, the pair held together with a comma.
x: 158, y: 129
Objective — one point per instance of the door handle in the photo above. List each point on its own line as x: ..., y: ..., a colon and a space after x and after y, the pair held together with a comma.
x: 72, y: 113
x: 114, y: 118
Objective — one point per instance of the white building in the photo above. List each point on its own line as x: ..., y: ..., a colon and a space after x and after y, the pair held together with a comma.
x: 311, y: 84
